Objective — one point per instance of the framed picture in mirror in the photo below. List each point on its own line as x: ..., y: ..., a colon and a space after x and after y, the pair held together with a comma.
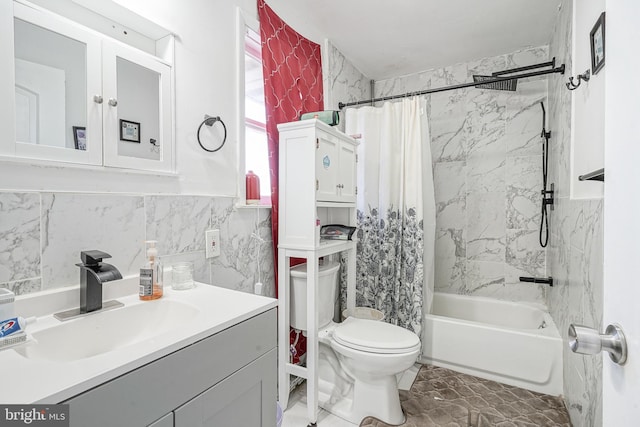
x: 129, y: 131
x: 80, y: 138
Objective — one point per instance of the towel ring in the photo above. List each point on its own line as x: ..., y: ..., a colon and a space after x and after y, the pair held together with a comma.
x: 209, y: 121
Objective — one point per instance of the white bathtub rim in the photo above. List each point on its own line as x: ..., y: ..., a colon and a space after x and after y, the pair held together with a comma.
x: 536, y: 305
x: 551, y: 329
x: 549, y: 332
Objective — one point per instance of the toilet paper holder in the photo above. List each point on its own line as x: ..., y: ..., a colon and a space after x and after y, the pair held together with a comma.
x: 585, y: 340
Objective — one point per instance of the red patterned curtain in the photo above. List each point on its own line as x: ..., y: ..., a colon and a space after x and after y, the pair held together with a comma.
x: 292, y: 70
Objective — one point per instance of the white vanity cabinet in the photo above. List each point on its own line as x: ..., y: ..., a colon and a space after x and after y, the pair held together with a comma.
x: 79, y: 96
x: 227, y: 379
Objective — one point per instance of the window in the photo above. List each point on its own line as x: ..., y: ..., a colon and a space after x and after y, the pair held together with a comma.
x: 256, y: 156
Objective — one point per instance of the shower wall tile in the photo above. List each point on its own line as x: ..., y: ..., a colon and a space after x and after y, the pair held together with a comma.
x: 524, y: 182
x: 486, y: 66
x: 389, y: 87
x: 524, y: 144
x: 522, y: 58
x: 485, y: 124
x: 486, y: 173
x: 524, y: 256
x: 592, y: 305
x: 72, y: 223
x: 343, y: 82
x: 398, y: 85
x: 450, y: 261
x: 451, y: 75
x: 523, y: 110
x: 486, y: 230
x: 447, y: 128
x: 19, y: 236
x: 485, y: 279
x: 177, y: 222
x: 450, y: 194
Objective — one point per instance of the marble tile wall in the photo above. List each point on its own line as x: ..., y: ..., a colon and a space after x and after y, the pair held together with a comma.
x: 343, y: 82
x: 486, y: 149
x: 575, y: 252
x: 42, y: 234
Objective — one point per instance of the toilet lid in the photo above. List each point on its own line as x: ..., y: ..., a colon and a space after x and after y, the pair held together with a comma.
x: 374, y: 336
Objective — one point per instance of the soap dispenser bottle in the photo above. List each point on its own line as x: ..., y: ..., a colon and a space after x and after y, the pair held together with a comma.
x: 151, y: 274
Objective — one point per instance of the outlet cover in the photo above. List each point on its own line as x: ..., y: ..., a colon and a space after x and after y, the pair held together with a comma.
x: 212, y: 240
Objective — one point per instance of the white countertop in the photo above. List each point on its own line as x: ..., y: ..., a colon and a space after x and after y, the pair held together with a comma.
x: 43, y: 381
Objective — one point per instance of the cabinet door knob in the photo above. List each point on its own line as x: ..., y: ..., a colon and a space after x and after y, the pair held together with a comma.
x: 113, y: 102
x: 97, y: 99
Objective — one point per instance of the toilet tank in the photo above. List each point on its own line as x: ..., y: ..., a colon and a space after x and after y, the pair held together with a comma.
x: 327, y: 283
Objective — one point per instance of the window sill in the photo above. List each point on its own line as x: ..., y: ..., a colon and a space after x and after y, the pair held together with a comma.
x: 242, y: 205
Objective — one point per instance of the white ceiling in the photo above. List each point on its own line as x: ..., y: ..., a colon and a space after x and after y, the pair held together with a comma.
x: 396, y: 37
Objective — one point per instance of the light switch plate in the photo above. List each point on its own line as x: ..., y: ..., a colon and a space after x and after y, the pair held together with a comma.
x: 212, y: 240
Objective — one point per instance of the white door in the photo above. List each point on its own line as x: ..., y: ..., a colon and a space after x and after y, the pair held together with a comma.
x: 621, y: 384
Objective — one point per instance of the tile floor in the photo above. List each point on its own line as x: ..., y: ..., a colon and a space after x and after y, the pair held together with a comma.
x: 440, y: 397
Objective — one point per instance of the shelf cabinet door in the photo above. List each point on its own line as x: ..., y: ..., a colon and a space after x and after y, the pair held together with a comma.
x: 327, y: 168
x: 137, y: 116
x: 347, y: 172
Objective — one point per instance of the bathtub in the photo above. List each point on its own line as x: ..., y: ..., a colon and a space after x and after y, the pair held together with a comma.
x: 512, y: 343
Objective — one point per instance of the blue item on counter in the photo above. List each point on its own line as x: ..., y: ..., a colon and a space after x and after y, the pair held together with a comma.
x: 11, y: 326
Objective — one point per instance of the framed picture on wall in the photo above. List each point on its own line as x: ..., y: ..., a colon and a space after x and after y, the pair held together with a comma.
x: 596, y: 38
x: 80, y: 138
x: 129, y: 131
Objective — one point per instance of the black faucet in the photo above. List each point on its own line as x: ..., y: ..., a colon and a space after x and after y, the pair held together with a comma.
x: 93, y: 273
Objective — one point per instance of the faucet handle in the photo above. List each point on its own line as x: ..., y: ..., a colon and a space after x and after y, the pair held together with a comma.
x: 93, y: 258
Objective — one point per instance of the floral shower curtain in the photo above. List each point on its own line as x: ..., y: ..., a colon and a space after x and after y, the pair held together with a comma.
x: 395, y: 192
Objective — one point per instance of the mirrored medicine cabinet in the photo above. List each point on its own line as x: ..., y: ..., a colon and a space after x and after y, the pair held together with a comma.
x: 81, y: 96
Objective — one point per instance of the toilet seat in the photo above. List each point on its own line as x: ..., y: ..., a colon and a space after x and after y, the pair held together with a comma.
x: 375, y: 337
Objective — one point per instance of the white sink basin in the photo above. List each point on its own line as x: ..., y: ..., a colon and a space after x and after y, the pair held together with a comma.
x: 99, y: 333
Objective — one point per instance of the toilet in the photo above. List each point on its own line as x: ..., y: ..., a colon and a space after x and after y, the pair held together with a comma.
x: 359, y: 359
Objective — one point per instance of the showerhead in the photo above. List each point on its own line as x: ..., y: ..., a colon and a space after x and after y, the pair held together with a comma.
x: 500, y: 85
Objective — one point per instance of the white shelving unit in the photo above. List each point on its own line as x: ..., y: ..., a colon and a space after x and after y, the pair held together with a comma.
x: 317, y: 187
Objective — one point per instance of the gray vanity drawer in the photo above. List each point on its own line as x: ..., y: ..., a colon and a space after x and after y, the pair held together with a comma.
x: 144, y: 395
